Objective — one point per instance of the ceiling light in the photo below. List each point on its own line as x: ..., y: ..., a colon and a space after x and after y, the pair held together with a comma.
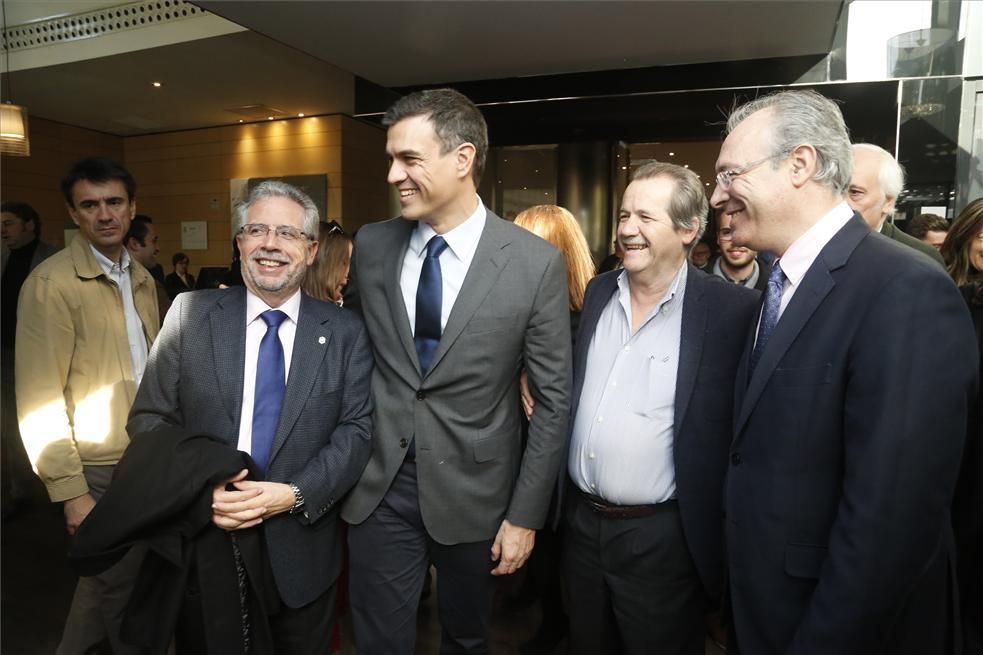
x: 685, y: 165
x: 14, y: 137
x: 240, y: 120
x: 156, y: 84
x: 269, y: 118
x: 300, y: 115
x: 672, y: 154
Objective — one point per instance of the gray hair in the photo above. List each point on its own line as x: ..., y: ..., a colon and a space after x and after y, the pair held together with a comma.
x: 689, y: 201
x: 454, y: 117
x: 806, y: 117
x: 277, y: 189
x: 890, y: 174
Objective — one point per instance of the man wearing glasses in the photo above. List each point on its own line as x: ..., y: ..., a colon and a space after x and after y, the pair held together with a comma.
x: 839, y: 485
x: 285, y: 378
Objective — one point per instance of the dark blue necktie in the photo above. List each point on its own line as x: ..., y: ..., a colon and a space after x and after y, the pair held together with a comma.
x: 270, y: 387
x: 429, y: 297
x: 769, y: 312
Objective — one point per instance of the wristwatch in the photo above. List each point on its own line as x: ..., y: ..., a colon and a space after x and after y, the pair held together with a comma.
x: 298, y: 505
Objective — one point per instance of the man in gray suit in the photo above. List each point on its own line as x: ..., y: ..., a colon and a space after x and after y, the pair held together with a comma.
x: 456, y: 302
x: 286, y: 378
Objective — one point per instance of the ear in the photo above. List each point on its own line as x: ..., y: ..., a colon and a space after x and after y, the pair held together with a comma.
x: 465, y: 159
x: 133, y: 208
x: 888, y: 207
x: 689, y: 234
x: 804, y: 163
x: 312, y: 251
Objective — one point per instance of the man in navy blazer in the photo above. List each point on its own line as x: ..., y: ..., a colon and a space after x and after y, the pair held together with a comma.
x: 849, y: 423
x: 654, y: 369
x: 208, y: 373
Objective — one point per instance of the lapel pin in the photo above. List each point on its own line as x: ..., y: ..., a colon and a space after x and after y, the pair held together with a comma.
x: 321, y: 340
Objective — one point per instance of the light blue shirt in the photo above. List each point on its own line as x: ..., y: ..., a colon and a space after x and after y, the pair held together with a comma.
x: 119, y: 274
x: 622, y: 441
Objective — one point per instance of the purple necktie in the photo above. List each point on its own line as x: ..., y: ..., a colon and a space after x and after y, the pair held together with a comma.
x: 769, y: 313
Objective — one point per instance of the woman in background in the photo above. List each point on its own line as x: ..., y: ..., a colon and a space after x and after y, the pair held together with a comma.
x: 963, y: 254
x: 180, y: 280
x: 560, y: 228
x: 327, y: 277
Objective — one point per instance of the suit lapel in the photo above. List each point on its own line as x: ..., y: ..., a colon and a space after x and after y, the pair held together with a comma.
x: 400, y: 241
x: 815, y: 286
x: 310, y: 345
x: 607, y: 285
x: 490, y: 257
x: 229, y: 348
x: 692, y: 335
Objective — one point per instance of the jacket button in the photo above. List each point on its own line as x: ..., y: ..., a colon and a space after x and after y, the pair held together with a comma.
x: 736, y: 459
x: 420, y: 395
x: 403, y: 443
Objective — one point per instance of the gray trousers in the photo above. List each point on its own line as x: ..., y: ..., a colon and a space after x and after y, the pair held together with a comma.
x: 100, y: 601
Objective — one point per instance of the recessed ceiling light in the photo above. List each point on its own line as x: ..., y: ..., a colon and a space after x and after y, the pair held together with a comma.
x: 157, y: 84
x: 300, y: 115
x: 685, y: 165
x: 240, y: 120
x: 672, y: 154
x: 269, y: 118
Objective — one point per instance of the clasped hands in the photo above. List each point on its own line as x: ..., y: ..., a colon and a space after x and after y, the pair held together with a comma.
x: 249, y: 503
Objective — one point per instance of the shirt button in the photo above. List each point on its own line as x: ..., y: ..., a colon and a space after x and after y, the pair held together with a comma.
x: 614, y: 383
x: 627, y: 348
x: 591, y: 455
x: 403, y: 443
x: 600, y: 419
x: 736, y: 459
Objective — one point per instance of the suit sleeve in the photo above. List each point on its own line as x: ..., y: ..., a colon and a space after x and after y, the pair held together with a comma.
x: 338, y: 465
x: 157, y: 401
x: 547, y: 360
x: 43, y: 359
x: 905, y: 411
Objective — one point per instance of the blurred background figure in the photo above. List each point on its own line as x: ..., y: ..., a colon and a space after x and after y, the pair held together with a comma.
x: 930, y: 228
x: 963, y: 253
x: 180, y: 280
x: 327, y: 278
x: 22, y: 250
x: 700, y: 256
x: 559, y: 227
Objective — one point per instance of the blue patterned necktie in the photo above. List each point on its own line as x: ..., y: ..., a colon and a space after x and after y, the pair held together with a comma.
x: 769, y: 312
x: 429, y: 296
x: 270, y: 387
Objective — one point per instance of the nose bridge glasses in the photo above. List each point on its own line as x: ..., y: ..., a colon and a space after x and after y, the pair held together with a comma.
x: 261, y: 230
x: 726, y: 178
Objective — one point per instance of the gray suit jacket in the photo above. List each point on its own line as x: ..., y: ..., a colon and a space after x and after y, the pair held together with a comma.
x: 194, y: 380
x: 472, y: 465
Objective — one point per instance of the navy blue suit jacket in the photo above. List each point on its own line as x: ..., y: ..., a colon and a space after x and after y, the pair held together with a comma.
x: 716, y: 316
x: 847, y: 444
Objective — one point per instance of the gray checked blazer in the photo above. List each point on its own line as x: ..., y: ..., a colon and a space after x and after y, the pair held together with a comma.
x: 194, y: 380
x: 473, y: 468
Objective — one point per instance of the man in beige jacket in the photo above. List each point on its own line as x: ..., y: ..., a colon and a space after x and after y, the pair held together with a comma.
x: 86, y: 319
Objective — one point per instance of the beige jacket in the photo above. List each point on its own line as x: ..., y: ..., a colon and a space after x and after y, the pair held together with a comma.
x: 75, y: 380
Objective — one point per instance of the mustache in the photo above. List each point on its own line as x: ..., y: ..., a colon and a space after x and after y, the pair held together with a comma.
x: 268, y: 254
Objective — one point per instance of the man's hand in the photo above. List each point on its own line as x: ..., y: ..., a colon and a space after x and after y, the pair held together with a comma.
x: 249, y: 503
x: 528, y: 404
x: 512, y: 548
x: 76, y: 509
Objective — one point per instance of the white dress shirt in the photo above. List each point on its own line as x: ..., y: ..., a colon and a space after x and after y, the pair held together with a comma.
x: 455, y: 261
x: 135, y: 336
x: 255, y: 330
x: 803, y: 252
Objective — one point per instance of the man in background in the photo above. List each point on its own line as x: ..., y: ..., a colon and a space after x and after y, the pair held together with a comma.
x: 930, y: 228
x: 141, y: 242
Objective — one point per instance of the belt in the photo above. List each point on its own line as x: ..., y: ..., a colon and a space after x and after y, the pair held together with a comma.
x: 603, y: 508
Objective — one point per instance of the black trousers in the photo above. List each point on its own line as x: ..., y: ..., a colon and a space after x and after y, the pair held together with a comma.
x: 389, y: 554
x: 633, y: 587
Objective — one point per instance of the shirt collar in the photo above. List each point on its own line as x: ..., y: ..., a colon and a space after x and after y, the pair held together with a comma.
x: 719, y: 271
x: 462, y: 240
x: 671, y: 292
x: 804, y: 250
x: 255, y: 306
x: 108, y: 266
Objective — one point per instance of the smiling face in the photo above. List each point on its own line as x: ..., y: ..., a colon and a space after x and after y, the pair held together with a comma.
x: 734, y: 257
x: 145, y: 253
x: 273, y: 267
x: 650, y: 241
x: 434, y: 187
x: 103, y: 212
x: 755, y: 197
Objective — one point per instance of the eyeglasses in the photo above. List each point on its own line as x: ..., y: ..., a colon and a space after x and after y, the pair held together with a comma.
x: 726, y: 178
x: 260, y: 230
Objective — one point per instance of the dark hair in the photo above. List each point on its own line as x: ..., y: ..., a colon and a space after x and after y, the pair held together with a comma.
x: 924, y: 223
x: 25, y: 212
x: 179, y: 257
x: 96, y: 169
x: 138, y: 229
x: 455, y: 119
x: 955, y: 249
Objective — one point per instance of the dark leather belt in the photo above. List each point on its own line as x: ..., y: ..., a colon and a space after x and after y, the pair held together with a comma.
x: 603, y: 508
